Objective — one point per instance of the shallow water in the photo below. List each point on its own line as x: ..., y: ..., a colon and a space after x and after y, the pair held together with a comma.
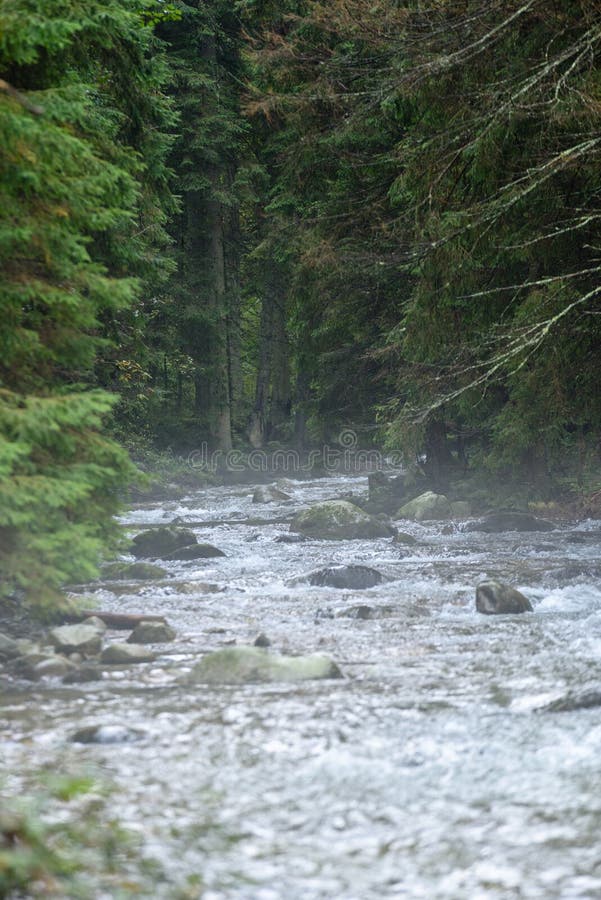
x: 426, y: 773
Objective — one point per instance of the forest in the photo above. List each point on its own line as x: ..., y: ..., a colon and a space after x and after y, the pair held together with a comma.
x: 251, y: 224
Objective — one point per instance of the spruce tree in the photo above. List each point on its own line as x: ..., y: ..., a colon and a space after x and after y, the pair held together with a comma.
x: 79, y: 218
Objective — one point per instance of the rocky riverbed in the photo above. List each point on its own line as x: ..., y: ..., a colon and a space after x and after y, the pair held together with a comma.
x: 424, y: 750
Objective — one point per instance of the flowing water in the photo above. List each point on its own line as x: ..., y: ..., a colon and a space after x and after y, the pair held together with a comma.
x: 428, y: 772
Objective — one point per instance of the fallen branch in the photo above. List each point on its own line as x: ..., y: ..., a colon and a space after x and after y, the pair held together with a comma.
x: 21, y: 98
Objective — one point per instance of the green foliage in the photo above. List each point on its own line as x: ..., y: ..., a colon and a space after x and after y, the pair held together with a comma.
x: 58, y: 839
x: 83, y: 204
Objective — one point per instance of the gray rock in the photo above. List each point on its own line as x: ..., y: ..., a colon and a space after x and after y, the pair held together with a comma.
x: 402, y: 538
x: 495, y: 598
x: 139, y: 571
x: 160, y: 542
x: 509, y: 520
x: 9, y: 648
x: 338, y: 520
x: 84, y: 639
x: 427, y: 506
x: 194, y: 551
x: 125, y: 654
x: 53, y: 667
x: 95, y: 622
x: 83, y: 674
x: 106, y: 734
x: 269, y: 494
x: 574, y: 701
x: 346, y: 577
x: 363, y: 611
x: 290, y: 539
x: 262, y: 641
x: 242, y: 665
x: 152, y: 633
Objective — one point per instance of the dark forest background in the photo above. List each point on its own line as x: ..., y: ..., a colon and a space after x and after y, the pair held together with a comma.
x: 253, y: 224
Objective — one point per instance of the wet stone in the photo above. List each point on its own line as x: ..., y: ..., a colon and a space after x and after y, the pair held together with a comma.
x: 495, y: 598
x: 152, y: 633
x: 338, y: 520
x: 54, y: 667
x: 106, y: 734
x: 509, y: 520
x: 139, y: 571
x: 9, y: 648
x: 262, y: 641
x: 269, y: 494
x: 194, y: 551
x: 244, y: 665
x: 160, y: 542
x: 346, y: 577
x: 126, y: 654
x: 83, y: 674
x: 84, y: 639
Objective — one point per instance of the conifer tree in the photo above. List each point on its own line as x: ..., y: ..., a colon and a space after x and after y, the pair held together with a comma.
x: 80, y: 214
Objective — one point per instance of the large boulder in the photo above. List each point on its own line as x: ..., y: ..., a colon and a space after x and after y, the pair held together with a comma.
x: 84, y: 639
x: 243, y: 665
x: 495, y: 598
x: 338, y: 520
x: 160, y: 542
x: 426, y: 506
x: 269, y: 493
x: 345, y: 577
x: 509, y: 520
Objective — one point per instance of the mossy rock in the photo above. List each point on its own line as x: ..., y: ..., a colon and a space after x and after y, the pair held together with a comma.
x: 139, y: 571
x: 427, y: 506
x: 338, y: 520
x: 160, y: 542
x: 244, y: 665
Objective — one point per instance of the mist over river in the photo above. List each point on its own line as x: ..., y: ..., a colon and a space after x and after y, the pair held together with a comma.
x: 429, y: 771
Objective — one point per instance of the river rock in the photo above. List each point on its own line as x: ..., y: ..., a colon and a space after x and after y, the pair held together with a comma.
x: 138, y: 571
x: 95, y: 622
x: 345, y: 577
x: 269, y: 493
x: 160, y: 542
x: 152, y: 633
x: 9, y: 648
x: 509, y: 520
x: 106, y: 734
x: 574, y: 701
x: 53, y: 667
x: 242, y: 665
x: 290, y: 539
x: 84, y: 639
x: 338, y: 520
x: 195, y: 551
x: 125, y: 654
x: 402, y: 537
x: 426, y: 507
x: 262, y: 641
x: 495, y: 598
x: 83, y: 674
